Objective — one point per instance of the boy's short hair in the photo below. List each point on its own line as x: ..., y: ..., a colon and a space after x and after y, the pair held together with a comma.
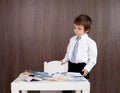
x: 84, y: 20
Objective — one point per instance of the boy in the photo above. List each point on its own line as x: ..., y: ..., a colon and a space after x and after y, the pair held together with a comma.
x: 82, y: 50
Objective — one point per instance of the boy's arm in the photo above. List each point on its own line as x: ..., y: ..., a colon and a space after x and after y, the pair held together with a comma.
x: 66, y: 58
x: 92, y: 56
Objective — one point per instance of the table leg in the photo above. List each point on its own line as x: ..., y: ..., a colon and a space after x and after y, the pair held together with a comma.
x: 86, y: 91
x: 23, y: 91
x: 14, y: 91
x: 78, y: 91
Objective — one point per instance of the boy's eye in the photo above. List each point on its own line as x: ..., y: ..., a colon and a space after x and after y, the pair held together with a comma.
x: 79, y: 29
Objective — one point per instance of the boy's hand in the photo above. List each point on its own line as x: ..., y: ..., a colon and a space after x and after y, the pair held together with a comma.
x: 85, y: 72
x: 61, y: 62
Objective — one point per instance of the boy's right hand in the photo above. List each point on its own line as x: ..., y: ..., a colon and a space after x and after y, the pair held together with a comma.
x: 61, y: 62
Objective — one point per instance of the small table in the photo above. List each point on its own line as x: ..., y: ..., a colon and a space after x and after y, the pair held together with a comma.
x: 20, y: 85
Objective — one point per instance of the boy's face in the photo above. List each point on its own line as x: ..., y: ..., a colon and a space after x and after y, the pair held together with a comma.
x: 79, y: 30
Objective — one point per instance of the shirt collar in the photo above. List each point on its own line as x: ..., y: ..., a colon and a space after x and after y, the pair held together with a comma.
x: 84, y: 36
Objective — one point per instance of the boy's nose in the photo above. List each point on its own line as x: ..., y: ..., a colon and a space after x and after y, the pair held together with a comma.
x: 76, y: 30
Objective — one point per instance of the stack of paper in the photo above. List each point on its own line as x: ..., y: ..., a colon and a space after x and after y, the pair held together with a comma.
x: 33, y: 79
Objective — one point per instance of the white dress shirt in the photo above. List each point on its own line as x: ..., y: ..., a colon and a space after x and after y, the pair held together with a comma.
x: 87, y: 51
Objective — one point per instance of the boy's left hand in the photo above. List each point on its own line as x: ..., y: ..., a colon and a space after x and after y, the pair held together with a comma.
x: 85, y: 72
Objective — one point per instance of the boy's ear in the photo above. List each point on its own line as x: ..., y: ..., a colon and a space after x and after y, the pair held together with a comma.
x: 87, y: 31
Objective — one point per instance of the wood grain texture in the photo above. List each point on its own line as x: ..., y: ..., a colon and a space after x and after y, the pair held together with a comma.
x: 34, y: 31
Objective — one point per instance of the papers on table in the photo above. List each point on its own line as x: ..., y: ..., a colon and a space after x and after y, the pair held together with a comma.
x: 28, y: 79
x: 65, y: 74
x: 76, y: 76
x: 73, y: 74
x: 30, y: 75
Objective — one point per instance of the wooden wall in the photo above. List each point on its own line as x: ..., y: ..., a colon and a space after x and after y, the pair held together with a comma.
x: 34, y: 31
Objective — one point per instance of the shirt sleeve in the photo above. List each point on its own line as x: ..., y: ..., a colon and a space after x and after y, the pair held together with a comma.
x: 66, y: 58
x: 92, y: 56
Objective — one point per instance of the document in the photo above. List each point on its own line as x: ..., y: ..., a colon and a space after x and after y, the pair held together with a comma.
x: 73, y: 74
x: 65, y: 74
x: 29, y: 79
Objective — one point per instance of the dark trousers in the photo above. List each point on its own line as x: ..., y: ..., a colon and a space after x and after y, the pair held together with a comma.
x: 73, y: 67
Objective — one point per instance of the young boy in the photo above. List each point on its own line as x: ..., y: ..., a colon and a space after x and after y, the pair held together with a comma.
x: 82, y: 50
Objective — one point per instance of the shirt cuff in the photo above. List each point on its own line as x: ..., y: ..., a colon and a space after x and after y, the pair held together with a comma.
x: 64, y: 61
x: 87, y: 68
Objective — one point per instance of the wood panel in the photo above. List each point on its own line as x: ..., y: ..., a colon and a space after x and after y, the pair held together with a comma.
x: 34, y: 31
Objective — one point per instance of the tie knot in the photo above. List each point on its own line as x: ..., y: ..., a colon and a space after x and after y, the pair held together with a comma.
x: 78, y: 38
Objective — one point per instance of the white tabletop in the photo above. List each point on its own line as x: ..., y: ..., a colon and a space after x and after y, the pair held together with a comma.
x: 19, y: 84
